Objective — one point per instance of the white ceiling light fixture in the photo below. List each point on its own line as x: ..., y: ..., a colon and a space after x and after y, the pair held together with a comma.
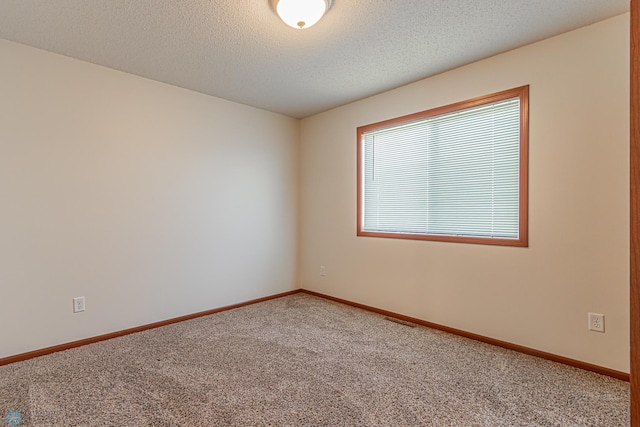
x: 301, y: 14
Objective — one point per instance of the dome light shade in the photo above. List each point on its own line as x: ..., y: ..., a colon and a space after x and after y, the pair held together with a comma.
x: 301, y: 14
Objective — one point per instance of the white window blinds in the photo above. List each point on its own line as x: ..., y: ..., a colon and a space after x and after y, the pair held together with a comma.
x: 454, y: 174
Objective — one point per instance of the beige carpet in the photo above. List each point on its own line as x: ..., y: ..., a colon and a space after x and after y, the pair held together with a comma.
x: 303, y: 361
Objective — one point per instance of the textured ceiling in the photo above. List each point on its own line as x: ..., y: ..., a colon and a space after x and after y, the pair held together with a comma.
x: 240, y: 50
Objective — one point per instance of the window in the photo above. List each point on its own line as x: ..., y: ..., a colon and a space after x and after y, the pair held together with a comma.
x: 457, y: 173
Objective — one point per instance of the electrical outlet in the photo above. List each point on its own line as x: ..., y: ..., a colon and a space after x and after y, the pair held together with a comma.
x: 596, y: 322
x: 323, y: 271
x: 78, y: 304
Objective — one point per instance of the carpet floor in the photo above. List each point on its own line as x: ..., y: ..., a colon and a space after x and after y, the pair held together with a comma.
x: 301, y: 360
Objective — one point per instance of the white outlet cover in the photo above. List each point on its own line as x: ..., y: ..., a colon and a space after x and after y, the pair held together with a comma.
x: 596, y: 322
x: 78, y: 304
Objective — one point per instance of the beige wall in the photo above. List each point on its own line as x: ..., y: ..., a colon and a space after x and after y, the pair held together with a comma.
x: 577, y: 259
x: 149, y: 200
x: 153, y: 202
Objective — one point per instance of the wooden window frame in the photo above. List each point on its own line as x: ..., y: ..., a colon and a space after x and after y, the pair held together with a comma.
x: 523, y: 235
